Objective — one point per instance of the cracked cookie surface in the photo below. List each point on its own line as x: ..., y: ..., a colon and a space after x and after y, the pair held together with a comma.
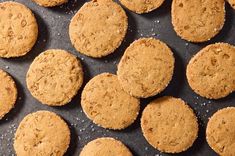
x: 18, y: 29
x: 106, y: 104
x: 55, y: 77
x: 50, y: 3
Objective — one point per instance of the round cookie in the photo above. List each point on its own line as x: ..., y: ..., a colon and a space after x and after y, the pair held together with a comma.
x: 232, y: 3
x: 19, y: 29
x: 55, y: 77
x: 8, y: 93
x: 50, y: 3
x: 105, y: 146
x: 198, y: 21
x: 42, y: 133
x: 98, y: 28
x: 211, y: 72
x: 106, y: 104
x: 141, y: 6
x: 146, y: 68
x: 169, y: 125
x: 220, y: 131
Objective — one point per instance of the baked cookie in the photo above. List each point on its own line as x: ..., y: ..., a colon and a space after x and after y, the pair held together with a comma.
x: 211, y: 72
x: 50, y: 3
x: 220, y: 131
x: 198, y: 21
x: 8, y: 93
x: 18, y: 29
x: 105, y: 147
x: 106, y: 104
x: 141, y: 6
x: 232, y: 3
x: 169, y: 125
x: 42, y: 133
x: 146, y: 68
x: 98, y: 28
x: 55, y: 77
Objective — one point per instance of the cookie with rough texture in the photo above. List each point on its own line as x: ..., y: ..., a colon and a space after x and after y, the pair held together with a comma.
x: 169, y: 125
x: 50, y: 3
x: 198, y: 21
x: 220, y: 132
x: 42, y: 133
x: 55, y: 77
x: 211, y: 72
x: 8, y: 93
x: 232, y: 3
x: 146, y: 68
x: 98, y: 28
x: 106, y: 104
x: 18, y: 29
x: 142, y: 6
x: 105, y: 147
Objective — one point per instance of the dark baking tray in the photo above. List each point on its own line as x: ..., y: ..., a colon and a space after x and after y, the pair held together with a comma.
x: 53, y: 33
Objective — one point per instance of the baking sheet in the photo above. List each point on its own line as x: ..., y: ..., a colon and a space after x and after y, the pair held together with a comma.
x: 53, y: 33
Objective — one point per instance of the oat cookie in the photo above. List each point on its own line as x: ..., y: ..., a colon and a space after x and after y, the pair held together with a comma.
x: 50, y: 3
x: 146, y: 68
x: 105, y: 147
x: 169, y: 125
x: 142, y: 6
x: 198, y: 21
x: 211, y: 72
x: 98, y: 28
x: 8, y: 93
x: 18, y: 29
x: 42, y: 133
x: 106, y: 104
x: 55, y: 77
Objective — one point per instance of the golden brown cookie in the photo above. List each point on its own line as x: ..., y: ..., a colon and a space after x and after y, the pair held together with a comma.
x: 169, y: 125
x: 55, y: 77
x: 220, y: 132
x: 8, y: 93
x: 42, y: 133
x: 98, y: 28
x: 50, y: 3
x: 232, y: 3
x: 18, y: 29
x: 146, y: 68
x: 106, y: 104
x: 198, y: 21
x: 211, y: 72
x: 142, y: 6
x: 105, y: 147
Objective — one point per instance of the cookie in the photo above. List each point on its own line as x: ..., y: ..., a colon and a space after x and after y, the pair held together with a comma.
x: 232, y: 3
x: 8, y: 93
x: 169, y: 125
x: 106, y: 104
x: 198, y: 21
x: 146, y: 68
x: 19, y: 29
x: 211, y: 72
x: 50, y: 3
x: 220, y: 131
x: 42, y: 133
x: 141, y: 6
x: 98, y: 28
x: 105, y: 147
x: 55, y: 77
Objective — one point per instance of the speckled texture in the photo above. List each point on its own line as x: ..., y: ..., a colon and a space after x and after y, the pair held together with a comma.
x: 106, y: 104
x: 8, y: 93
x: 198, y: 21
x: 142, y: 6
x: 232, y: 3
x: 18, y: 29
x: 169, y: 125
x: 146, y: 68
x: 42, y: 133
x: 98, y: 28
x: 220, y: 132
x: 105, y: 147
x: 50, y: 3
x: 55, y: 77
x: 211, y: 72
